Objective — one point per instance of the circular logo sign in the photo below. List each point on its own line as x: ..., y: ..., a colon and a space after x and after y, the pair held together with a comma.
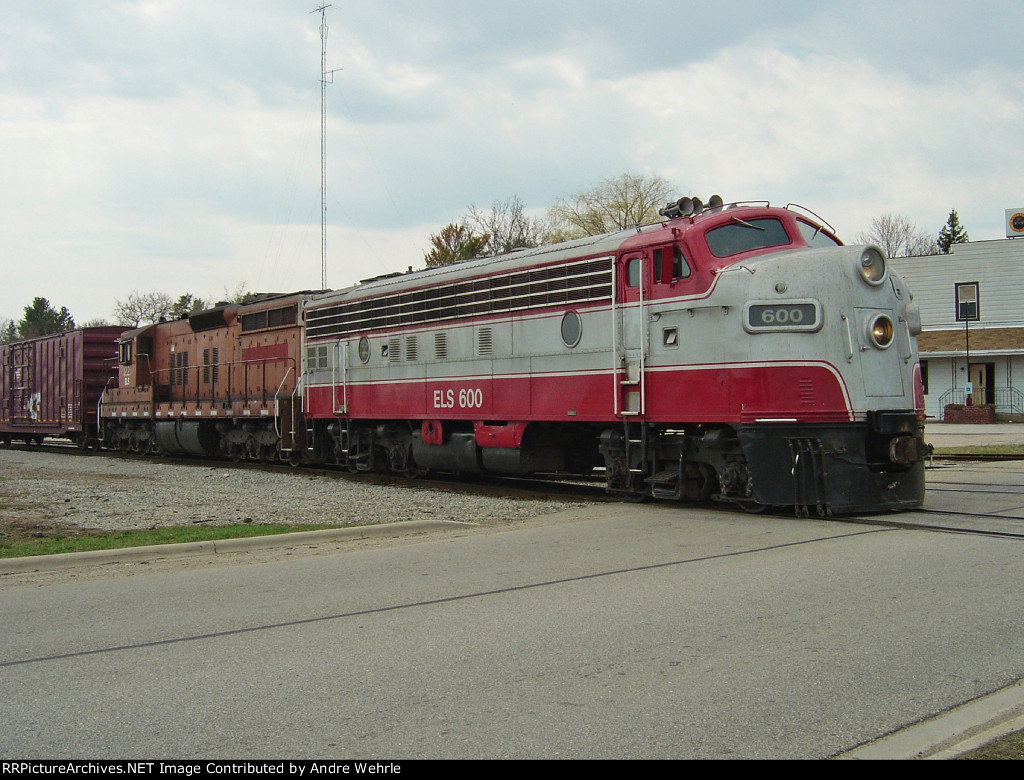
x: 1017, y: 222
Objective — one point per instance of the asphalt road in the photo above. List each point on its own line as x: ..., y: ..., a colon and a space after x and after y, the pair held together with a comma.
x: 617, y: 632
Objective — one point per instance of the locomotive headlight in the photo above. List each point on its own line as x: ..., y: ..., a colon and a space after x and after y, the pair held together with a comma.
x: 881, y: 331
x: 872, y: 266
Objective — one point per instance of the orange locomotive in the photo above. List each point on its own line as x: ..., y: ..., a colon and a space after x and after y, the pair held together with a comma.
x: 219, y: 382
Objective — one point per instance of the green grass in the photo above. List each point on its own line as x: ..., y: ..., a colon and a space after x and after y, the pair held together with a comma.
x: 1008, y: 748
x: 56, y: 542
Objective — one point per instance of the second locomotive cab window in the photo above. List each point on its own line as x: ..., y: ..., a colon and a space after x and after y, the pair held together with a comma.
x: 742, y: 236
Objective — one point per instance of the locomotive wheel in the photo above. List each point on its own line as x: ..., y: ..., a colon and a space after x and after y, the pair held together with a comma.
x: 139, y: 444
x: 636, y: 497
x: 637, y: 489
x: 411, y: 470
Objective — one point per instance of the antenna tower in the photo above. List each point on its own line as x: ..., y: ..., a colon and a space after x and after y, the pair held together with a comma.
x: 325, y: 77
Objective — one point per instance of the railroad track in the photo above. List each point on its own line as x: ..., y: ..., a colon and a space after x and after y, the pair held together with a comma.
x: 591, y: 489
x: 972, y: 525
x: 977, y: 457
x: 537, y: 487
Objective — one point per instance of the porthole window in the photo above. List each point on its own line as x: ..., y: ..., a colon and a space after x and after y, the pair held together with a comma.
x: 364, y: 350
x: 572, y: 329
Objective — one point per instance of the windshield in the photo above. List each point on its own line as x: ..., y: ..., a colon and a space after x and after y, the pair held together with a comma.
x: 815, y: 236
x: 742, y: 236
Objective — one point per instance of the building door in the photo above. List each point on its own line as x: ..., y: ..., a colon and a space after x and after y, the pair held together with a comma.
x: 981, y: 377
x: 978, y: 377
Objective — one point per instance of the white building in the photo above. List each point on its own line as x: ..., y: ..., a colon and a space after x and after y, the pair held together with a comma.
x: 972, y: 303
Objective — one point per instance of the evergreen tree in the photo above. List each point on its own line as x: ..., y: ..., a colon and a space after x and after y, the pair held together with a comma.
x: 952, y: 233
x: 185, y: 305
x: 41, y: 318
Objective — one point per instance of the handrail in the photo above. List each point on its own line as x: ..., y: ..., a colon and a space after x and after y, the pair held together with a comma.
x: 263, y: 362
x: 277, y: 410
x: 1008, y: 398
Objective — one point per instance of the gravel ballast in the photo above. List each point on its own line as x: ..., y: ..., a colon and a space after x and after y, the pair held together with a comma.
x: 115, y: 494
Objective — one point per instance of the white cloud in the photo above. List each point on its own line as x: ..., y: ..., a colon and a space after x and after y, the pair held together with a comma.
x: 764, y: 123
x: 175, y: 146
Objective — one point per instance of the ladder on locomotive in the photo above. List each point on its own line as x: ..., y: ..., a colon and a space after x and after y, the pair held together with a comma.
x: 629, y: 337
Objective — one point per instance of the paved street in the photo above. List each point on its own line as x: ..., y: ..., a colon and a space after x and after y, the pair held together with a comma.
x: 616, y: 632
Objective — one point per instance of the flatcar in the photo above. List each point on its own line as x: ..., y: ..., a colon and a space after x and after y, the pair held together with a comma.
x: 50, y: 385
x: 220, y: 382
x: 735, y: 352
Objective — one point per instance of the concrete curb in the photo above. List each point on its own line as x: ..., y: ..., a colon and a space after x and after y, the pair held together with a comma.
x: 215, y: 547
x: 952, y: 733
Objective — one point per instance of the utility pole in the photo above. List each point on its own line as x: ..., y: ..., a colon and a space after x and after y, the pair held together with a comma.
x: 324, y: 76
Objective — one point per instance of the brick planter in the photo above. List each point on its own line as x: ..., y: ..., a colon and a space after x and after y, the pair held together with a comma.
x: 958, y: 413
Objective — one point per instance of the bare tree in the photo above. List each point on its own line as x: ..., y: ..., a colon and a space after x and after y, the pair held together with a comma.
x: 897, y: 236
x: 241, y: 294
x: 507, y: 226
x: 138, y: 309
x: 8, y: 330
x: 622, y: 202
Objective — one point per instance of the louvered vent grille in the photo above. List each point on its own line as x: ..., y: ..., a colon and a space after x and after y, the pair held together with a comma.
x: 484, y: 342
x: 576, y: 282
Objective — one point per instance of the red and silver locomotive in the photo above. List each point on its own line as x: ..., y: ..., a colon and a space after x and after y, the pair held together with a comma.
x: 733, y: 352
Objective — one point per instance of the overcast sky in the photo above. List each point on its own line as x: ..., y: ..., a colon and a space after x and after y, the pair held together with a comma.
x: 174, y: 145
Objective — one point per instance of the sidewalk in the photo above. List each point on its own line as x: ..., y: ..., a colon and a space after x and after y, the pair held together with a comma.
x: 950, y: 435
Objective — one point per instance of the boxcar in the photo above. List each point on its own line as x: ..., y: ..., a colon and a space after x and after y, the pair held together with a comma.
x: 50, y: 385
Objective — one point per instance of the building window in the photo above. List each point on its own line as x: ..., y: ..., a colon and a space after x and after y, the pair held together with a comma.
x: 968, y: 307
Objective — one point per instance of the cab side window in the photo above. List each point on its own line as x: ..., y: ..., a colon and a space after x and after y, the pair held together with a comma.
x: 670, y: 264
x: 633, y: 272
